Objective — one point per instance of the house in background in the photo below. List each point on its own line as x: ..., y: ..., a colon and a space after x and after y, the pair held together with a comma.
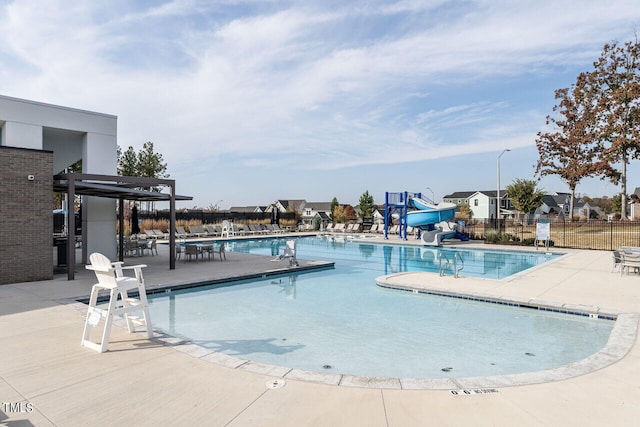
x: 581, y: 209
x: 248, y: 209
x: 482, y: 203
x: 549, y: 209
x: 282, y: 205
x: 316, y: 212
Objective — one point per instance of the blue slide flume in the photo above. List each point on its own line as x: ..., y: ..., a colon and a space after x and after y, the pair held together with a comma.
x: 433, y: 220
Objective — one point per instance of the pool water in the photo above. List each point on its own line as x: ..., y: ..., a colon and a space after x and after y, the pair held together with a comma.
x: 339, y: 321
x: 387, y: 259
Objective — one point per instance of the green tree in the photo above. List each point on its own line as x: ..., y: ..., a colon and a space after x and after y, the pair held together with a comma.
x: 616, y: 82
x: 616, y: 203
x: 525, y: 196
x: 146, y: 163
x: 570, y: 148
x: 127, y: 162
x: 366, y: 205
x: 151, y: 164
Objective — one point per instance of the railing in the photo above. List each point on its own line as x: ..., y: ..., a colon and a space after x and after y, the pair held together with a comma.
x: 457, y: 268
x: 441, y: 256
x: 592, y: 234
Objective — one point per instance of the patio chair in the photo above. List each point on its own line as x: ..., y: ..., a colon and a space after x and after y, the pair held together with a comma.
x: 629, y: 260
x: 179, y: 250
x: 111, y: 278
x: 191, y: 250
x: 152, y: 246
x: 222, y: 253
x: 616, y: 260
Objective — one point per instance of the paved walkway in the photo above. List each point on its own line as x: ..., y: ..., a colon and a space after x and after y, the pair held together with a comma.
x: 45, y: 373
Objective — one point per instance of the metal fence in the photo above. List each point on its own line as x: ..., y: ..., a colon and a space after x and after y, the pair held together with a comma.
x: 593, y: 234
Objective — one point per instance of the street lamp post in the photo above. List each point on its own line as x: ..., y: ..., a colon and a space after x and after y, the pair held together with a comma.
x: 498, y: 193
x: 433, y: 197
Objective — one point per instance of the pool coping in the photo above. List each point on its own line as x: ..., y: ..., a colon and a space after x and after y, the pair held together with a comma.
x: 620, y: 342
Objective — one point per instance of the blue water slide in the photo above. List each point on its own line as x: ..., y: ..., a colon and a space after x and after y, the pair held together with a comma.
x: 429, y: 214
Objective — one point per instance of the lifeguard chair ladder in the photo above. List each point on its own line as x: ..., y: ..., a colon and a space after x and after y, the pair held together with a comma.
x: 110, y: 277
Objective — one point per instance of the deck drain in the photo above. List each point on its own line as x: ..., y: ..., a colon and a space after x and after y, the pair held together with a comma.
x: 446, y: 369
x: 275, y: 383
x: 327, y: 366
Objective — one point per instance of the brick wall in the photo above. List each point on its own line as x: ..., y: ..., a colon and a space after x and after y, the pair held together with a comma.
x: 26, y: 223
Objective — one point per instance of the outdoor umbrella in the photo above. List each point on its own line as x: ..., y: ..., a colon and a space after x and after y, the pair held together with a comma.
x: 135, y: 228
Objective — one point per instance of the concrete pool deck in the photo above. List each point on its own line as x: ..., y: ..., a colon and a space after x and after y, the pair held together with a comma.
x: 54, y: 381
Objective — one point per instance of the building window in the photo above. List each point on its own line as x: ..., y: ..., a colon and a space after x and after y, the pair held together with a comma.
x: 475, y: 202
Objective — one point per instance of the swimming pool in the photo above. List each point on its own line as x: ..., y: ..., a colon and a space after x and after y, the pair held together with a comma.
x: 339, y: 321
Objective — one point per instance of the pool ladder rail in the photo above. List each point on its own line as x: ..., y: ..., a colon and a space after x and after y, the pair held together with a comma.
x: 447, y: 262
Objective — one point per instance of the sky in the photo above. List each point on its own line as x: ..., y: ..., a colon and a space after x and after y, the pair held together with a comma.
x: 250, y: 101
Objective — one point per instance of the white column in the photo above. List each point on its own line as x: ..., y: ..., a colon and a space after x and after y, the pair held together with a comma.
x: 99, y: 232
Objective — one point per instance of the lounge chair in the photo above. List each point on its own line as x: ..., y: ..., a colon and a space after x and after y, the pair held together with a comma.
x: 339, y: 228
x: 182, y: 233
x: 373, y: 229
x: 211, y: 230
x: 197, y: 230
x: 160, y: 234
x: 277, y: 229
x: 149, y: 234
x: 111, y: 278
x: 329, y: 228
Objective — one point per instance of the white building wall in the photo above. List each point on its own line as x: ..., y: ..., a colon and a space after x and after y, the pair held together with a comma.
x: 22, y: 135
x: 484, y: 208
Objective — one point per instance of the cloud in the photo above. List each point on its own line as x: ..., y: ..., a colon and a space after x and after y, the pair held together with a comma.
x: 338, y: 81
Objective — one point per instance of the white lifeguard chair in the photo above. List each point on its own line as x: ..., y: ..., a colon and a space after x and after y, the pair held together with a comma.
x: 228, y: 230
x: 289, y: 253
x: 111, y: 278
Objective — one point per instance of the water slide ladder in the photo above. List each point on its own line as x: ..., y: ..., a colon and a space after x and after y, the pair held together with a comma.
x: 444, y: 262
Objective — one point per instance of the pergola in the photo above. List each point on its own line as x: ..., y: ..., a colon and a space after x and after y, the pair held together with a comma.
x: 120, y: 188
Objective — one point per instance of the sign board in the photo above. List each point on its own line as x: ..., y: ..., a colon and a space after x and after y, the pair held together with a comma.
x: 542, y: 231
